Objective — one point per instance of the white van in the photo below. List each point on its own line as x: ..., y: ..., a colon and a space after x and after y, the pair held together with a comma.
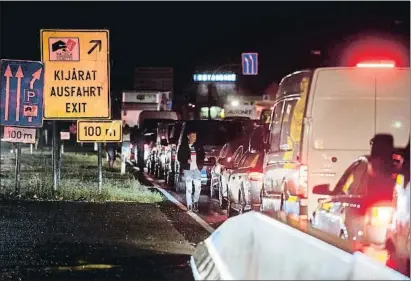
x: 322, y: 120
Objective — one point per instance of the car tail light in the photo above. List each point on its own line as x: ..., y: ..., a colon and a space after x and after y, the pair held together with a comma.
x: 228, y: 159
x: 303, y: 181
x: 255, y: 176
x: 378, y: 216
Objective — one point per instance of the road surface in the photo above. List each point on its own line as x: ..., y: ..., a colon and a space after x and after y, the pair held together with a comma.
x: 89, y: 241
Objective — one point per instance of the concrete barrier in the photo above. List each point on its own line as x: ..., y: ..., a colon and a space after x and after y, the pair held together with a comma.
x: 256, y: 247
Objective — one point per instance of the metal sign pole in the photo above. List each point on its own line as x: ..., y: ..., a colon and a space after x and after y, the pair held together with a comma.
x: 59, y: 159
x: 17, y: 169
x: 100, y: 168
x: 54, y: 155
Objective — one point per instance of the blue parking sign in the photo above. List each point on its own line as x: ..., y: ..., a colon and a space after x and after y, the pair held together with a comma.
x: 21, y: 93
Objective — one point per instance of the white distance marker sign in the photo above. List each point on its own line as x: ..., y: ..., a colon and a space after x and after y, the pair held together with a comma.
x: 22, y: 135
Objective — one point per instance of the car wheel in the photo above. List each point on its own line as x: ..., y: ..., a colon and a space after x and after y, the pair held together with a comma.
x: 230, y: 211
x: 261, y: 199
x: 160, y: 173
x: 179, y: 185
x: 166, y: 179
x: 222, y: 202
x: 175, y: 182
x: 170, y: 177
x: 212, y: 191
x: 242, y: 202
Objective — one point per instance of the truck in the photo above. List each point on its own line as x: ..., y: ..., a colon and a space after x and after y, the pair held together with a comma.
x: 133, y: 104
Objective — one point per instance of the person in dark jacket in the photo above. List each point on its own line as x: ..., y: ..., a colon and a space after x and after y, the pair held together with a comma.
x: 191, y: 156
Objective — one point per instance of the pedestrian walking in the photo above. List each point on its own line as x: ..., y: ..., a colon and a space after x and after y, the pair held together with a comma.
x: 111, y: 149
x: 191, y: 157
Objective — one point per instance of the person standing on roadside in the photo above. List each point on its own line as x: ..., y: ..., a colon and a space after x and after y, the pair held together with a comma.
x: 191, y: 156
x: 111, y: 149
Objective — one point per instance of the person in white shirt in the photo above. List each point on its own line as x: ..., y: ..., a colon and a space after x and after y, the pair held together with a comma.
x: 191, y: 156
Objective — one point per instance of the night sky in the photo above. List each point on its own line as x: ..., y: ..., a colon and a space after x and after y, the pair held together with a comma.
x: 184, y: 35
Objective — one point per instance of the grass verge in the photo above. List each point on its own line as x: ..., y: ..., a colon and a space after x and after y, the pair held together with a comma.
x: 78, y: 180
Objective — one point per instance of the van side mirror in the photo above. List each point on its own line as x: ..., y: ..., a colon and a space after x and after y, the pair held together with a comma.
x: 322, y: 189
x: 163, y: 142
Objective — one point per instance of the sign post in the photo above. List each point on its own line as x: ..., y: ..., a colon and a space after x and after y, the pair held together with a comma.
x: 17, y: 169
x: 21, y: 93
x: 54, y: 156
x: 100, y: 168
x: 99, y: 132
x: 77, y: 80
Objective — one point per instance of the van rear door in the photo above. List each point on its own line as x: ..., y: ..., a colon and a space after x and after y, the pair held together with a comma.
x: 342, y: 124
x: 393, y: 103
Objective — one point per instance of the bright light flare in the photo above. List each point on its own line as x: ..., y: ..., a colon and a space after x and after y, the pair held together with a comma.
x: 235, y: 103
x: 376, y: 64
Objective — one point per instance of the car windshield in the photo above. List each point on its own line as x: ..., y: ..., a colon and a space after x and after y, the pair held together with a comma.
x: 211, y: 132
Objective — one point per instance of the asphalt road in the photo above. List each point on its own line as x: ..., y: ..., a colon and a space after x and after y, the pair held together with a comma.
x: 96, y: 241
x: 209, y: 209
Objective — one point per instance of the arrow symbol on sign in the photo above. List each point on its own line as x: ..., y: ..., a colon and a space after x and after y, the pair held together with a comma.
x: 252, y: 63
x: 8, y: 74
x: 246, y: 63
x: 19, y: 75
x: 97, y: 43
x: 36, y: 76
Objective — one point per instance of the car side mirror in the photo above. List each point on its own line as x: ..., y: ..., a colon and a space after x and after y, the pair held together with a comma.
x: 163, y: 142
x: 322, y: 189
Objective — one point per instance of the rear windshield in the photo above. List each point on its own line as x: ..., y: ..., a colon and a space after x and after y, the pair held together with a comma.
x: 152, y: 124
x: 211, y: 132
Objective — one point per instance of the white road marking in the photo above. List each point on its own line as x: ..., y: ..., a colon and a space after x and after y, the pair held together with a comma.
x: 172, y: 199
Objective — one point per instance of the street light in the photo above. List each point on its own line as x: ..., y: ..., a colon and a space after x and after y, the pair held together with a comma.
x: 235, y: 103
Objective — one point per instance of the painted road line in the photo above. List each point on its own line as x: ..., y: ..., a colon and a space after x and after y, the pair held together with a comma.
x: 172, y: 199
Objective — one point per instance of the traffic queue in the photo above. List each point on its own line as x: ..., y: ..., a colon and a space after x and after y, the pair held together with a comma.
x: 333, y: 151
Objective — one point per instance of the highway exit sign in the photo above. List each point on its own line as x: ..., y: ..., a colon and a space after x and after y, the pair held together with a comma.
x: 77, y: 74
x: 99, y: 131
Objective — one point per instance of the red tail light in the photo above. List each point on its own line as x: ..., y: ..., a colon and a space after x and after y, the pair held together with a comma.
x: 173, y: 157
x: 255, y: 176
x: 228, y: 159
x: 303, y: 181
x: 380, y: 215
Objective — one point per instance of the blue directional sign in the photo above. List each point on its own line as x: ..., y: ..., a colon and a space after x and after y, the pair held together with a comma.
x: 250, y: 63
x: 21, y: 93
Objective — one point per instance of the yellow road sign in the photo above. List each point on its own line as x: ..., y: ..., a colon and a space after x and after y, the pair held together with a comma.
x: 99, y: 131
x: 77, y: 74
